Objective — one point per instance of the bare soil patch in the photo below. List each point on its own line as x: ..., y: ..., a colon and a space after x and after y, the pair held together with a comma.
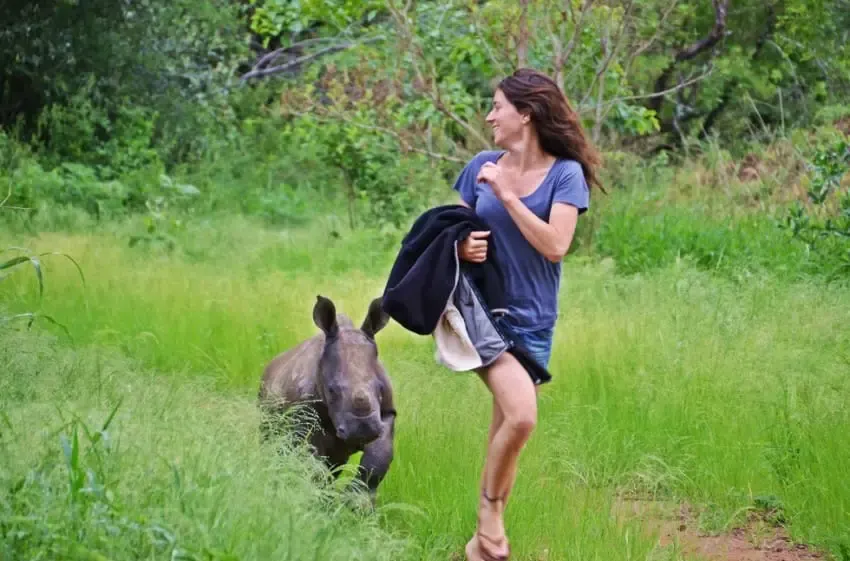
x: 750, y: 168
x: 677, y: 526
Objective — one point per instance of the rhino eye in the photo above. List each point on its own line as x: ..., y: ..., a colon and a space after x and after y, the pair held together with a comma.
x: 334, y: 390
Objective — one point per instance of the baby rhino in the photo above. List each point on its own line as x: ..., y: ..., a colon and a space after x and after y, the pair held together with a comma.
x: 337, y: 375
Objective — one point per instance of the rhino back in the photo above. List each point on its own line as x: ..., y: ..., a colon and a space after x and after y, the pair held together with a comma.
x: 291, y: 376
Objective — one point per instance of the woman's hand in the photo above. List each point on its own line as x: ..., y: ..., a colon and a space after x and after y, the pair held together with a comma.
x: 494, y: 176
x: 474, y: 247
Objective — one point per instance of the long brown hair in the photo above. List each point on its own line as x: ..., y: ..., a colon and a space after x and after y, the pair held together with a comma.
x: 557, y: 124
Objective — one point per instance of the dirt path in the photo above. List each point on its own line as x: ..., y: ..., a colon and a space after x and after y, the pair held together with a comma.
x: 676, y: 526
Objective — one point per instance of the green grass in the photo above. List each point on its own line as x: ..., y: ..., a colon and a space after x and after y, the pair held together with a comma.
x: 675, y: 384
x: 102, y: 460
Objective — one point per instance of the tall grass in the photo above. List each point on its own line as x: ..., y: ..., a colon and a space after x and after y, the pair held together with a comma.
x: 101, y: 460
x: 675, y: 383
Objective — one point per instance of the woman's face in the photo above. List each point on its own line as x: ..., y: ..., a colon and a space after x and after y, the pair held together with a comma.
x: 506, y: 121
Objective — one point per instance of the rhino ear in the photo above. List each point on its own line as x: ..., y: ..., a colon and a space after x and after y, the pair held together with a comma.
x: 376, y: 318
x: 324, y: 316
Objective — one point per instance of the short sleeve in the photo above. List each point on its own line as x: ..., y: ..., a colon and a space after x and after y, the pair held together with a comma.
x: 571, y: 187
x: 465, y: 182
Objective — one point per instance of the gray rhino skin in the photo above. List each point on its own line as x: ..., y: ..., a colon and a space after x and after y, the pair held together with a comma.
x: 338, y: 376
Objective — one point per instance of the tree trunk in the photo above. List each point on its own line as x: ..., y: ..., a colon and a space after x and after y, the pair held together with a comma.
x: 728, y: 88
x: 522, y: 43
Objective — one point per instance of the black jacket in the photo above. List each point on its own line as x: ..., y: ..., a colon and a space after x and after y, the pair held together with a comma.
x: 423, y: 276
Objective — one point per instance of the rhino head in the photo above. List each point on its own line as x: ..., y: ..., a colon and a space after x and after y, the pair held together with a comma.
x: 351, y: 378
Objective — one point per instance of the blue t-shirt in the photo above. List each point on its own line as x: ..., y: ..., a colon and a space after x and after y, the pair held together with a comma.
x: 531, y: 280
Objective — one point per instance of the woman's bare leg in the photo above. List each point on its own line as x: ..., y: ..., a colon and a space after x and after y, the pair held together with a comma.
x: 514, y: 418
x: 495, y: 423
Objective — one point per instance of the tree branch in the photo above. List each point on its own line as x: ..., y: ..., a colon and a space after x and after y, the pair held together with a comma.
x: 431, y: 82
x: 668, y: 91
x: 500, y: 65
x: 409, y: 147
x: 720, y: 11
x: 259, y: 72
x: 585, y: 8
x: 522, y: 43
x: 557, y: 45
x: 404, y: 142
x: 611, y: 53
x: 270, y: 56
x: 716, y: 33
x: 627, y: 67
x: 726, y: 96
x: 649, y: 42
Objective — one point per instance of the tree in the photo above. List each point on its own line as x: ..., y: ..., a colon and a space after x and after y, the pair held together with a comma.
x: 166, y: 61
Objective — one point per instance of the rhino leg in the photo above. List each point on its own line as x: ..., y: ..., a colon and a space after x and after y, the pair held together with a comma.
x: 377, y: 457
x: 330, y: 449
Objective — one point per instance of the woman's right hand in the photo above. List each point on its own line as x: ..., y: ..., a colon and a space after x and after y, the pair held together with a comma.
x: 474, y: 247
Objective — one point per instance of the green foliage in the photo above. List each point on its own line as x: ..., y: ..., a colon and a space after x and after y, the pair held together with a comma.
x: 824, y: 225
x: 77, y: 185
x: 699, y: 211
x: 374, y: 175
x: 643, y: 240
x: 633, y: 120
x: 83, y: 132
x: 285, y: 19
x: 164, y: 209
x: 106, y: 79
x: 368, y: 132
x: 828, y: 168
x: 274, y: 18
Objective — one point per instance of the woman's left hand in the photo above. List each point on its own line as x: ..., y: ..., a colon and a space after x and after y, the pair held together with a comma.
x: 494, y: 176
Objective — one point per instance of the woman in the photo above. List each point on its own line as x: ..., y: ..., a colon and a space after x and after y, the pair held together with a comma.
x: 531, y: 192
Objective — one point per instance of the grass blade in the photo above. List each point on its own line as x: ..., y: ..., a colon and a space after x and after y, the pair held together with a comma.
x: 7, y: 423
x: 13, y: 262
x: 16, y: 248
x: 37, y: 266
x: 112, y: 415
x: 32, y: 316
x: 75, y: 449
x: 71, y: 259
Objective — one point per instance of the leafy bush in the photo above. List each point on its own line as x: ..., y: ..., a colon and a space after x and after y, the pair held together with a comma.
x: 83, y: 133
x: 375, y: 175
x: 120, y: 85
x: 824, y: 224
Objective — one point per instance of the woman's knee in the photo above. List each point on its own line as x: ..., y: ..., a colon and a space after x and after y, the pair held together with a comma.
x: 521, y: 423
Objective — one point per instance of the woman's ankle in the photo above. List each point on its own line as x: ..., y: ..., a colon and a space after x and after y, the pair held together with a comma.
x: 496, y: 501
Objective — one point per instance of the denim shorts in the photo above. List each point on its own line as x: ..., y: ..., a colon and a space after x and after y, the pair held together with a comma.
x: 538, y: 342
